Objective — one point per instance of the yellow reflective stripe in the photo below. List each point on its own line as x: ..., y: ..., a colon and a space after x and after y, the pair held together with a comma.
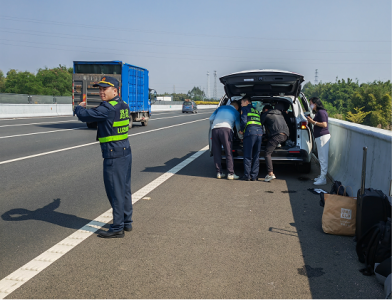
x: 113, y: 102
x: 253, y: 123
x: 254, y: 115
x: 121, y: 123
x: 106, y: 83
x: 113, y: 138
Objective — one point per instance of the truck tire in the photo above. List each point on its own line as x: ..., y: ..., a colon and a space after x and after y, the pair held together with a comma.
x: 130, y: 123
x: 144, y: 123
x: 92, y: 125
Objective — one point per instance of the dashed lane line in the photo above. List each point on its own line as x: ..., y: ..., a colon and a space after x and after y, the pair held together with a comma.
x: 14, y: 125
x: 41, y: 132
x: 34, y: 267
x: 84, y: 145
x: 51, y: 131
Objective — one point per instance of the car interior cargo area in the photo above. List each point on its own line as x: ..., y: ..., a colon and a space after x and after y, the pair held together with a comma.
x: 288, y: 113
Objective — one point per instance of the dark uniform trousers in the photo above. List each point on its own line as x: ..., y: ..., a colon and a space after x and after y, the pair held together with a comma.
x: 113, y: 125
x: 252, y: 145
x: 117, y: 179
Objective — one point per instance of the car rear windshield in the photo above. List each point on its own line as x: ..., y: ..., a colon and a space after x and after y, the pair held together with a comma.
x: 97, y: 69
x: 188, y: 104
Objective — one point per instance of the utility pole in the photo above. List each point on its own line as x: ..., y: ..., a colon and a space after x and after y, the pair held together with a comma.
x: 316, y: 77
x: 174, y: 89
x: 215, y: 93
x: 208, y: 85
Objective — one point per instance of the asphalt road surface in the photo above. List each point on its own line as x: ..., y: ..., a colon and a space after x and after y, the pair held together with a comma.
x: 196, y: 236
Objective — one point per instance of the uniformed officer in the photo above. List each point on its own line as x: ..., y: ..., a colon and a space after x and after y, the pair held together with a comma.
x: 253, y: 132
x: 112, y: 116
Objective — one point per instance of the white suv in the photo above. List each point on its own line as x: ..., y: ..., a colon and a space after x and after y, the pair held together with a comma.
x: 269, y: 87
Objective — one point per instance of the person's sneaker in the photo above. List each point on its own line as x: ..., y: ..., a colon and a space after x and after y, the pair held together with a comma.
x: 321, y: 181
x: 232, y: 177
x: 220, y: 175
x: 269, y: 177
x: 316, y: 178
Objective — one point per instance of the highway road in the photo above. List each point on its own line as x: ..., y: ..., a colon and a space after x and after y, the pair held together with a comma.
x: 196, y: 236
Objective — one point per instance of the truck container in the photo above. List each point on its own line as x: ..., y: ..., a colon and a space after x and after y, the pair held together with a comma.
x: 134, y: 87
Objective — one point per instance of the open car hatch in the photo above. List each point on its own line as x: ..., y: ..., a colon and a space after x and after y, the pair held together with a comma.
x: 262, y: 83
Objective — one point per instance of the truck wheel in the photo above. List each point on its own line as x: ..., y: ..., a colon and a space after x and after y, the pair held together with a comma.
x: 144, y: 123
x: 92, y: 125
x: 130, y: 123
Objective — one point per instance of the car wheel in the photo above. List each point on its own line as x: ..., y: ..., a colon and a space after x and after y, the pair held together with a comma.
x: 305, y: 167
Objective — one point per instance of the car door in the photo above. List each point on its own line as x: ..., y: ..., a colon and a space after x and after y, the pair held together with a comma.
x: 308, y: 112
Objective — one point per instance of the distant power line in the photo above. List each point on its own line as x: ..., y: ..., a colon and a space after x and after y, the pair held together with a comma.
x: 118, y: 29
x: 209, y: 57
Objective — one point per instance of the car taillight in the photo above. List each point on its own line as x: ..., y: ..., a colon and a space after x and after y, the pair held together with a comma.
x: 294, y: 152
x: 303, y: 124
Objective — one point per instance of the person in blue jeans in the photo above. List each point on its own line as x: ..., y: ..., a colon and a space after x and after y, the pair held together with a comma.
x: 222, y: 122
x: 253, y: 132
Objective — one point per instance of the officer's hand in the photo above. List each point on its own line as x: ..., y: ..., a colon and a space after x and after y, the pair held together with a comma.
x: 82, y: 104
x: 240, y: 132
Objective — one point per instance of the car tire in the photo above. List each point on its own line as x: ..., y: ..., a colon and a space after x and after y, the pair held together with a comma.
x: 305, y: 167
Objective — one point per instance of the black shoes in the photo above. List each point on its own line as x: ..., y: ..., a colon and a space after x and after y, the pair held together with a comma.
x: 244, y: 178
x: 128, y: 228
x: 254, y: 179
x: 111, y: 234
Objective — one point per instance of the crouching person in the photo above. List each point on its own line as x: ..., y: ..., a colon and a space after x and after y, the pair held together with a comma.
x: 223, y: 120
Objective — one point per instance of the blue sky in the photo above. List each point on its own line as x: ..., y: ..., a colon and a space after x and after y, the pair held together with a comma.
x: 179, y: 41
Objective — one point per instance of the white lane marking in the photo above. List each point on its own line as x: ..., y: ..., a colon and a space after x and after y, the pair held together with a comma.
x: 84, y: 145
x: 35, y: 266
x: 11, y: 119
x: 175, y: 117
x: 55, y: 122
x: 42, y: 132
x: 76, y: 128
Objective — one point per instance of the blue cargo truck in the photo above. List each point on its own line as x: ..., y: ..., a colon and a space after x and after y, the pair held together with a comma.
x: 134, y: 89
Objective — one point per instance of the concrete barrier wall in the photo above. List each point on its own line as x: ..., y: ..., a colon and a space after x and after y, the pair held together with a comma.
x: 34, y: 110
x: 346, y: 153
x: 158, y: 107
x: 47, y: 110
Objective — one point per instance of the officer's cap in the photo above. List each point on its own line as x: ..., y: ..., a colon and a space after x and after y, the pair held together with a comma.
x: 107, y: 81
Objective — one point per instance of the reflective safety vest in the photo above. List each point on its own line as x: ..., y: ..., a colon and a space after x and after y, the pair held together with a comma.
x: 120, y: 127
x: 253, y: 118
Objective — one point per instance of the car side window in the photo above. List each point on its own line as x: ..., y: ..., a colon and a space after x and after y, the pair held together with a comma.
x: 304, y: 103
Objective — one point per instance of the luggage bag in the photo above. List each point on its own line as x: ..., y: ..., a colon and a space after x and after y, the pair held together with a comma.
x: 372, y: 205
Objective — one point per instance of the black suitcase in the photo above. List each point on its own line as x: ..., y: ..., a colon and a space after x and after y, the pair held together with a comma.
x: 372, y: 205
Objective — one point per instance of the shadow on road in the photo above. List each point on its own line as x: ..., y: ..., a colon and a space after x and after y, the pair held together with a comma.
x: 169, y: 164
x: 330, y: 262
x: 46, y: 214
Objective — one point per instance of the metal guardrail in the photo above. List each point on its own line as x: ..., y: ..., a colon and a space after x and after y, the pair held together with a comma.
x: 33, y: 99
x: 167, y: 103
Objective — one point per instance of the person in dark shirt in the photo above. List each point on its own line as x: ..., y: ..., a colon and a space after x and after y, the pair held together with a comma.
x: 278, y: 132
x: 253, y: 133
x: 112, y: 116
x: 322, y: 137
